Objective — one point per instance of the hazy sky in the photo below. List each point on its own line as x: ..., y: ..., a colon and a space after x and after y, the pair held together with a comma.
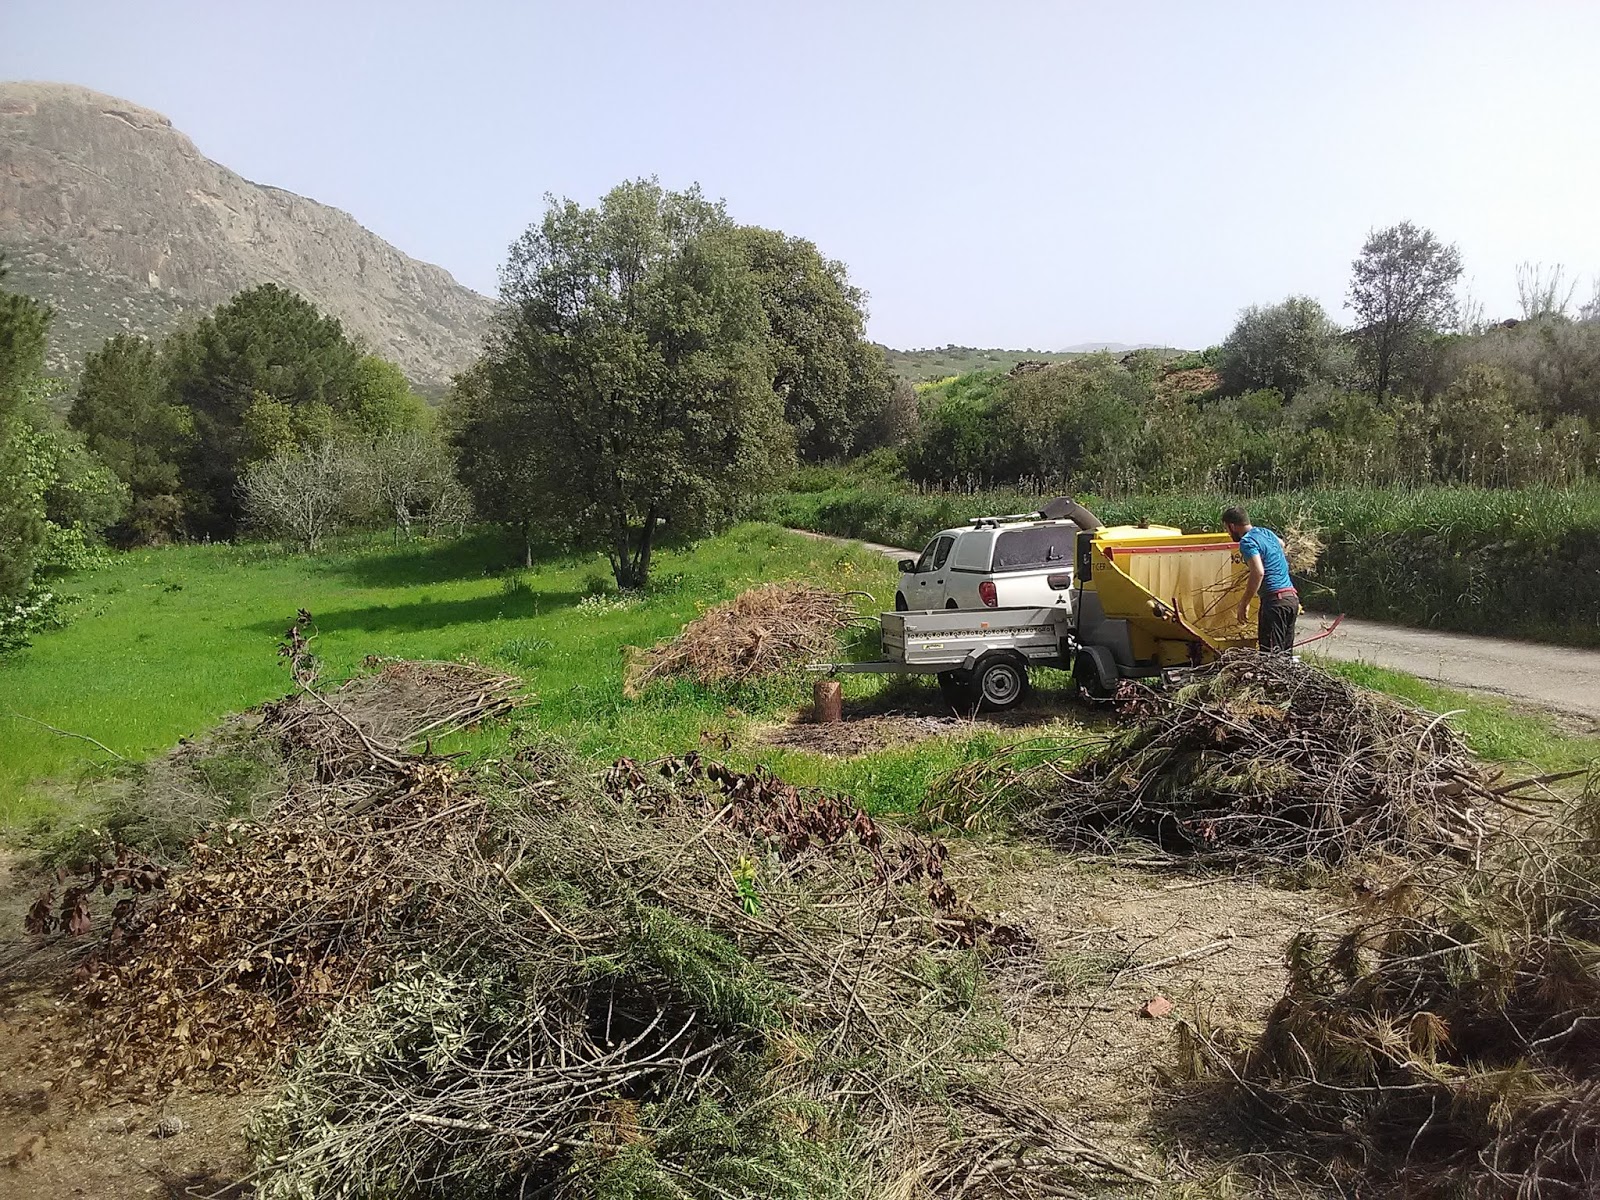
x: 1015, y: 174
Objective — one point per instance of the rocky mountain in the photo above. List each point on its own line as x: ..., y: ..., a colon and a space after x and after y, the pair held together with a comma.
x: 115, y: 218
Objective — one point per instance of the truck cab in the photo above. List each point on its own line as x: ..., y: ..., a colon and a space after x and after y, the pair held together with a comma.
x: 994, y: 562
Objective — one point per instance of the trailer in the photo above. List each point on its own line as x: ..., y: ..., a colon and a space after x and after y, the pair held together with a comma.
x: 1145, y: 602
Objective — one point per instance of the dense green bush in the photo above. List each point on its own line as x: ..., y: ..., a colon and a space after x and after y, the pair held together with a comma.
x: 1512, y: 562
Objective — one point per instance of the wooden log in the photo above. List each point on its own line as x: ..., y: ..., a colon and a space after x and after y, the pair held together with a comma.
x: 827, y: 702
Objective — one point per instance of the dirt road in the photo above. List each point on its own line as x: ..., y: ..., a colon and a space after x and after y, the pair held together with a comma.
x: 1562, y: 678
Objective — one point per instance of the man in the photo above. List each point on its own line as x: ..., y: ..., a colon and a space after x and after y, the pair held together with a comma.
x: 1261, y: 550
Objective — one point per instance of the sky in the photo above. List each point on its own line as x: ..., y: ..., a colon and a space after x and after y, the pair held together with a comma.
x: 993, y: 173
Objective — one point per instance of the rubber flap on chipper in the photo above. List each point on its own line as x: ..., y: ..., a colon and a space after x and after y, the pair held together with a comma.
x: 1173, y: 585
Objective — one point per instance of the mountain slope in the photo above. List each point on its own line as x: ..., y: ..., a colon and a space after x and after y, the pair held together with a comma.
x: 117, y: 220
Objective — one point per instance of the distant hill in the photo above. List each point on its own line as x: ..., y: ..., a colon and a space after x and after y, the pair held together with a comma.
x: 920, y: 366
x: 118, y: 221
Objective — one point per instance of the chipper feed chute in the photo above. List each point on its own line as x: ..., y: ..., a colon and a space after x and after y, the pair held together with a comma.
x: 1176, y: 592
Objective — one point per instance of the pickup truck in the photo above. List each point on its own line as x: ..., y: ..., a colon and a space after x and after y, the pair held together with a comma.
x: 996, y: 562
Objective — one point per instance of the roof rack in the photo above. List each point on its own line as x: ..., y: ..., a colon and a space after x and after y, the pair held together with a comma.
x: 992, y: 522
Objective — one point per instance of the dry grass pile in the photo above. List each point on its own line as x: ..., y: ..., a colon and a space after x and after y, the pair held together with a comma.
x: 682, y: 980
x: 1448, y: 1045
x: 1257, y: 759
x: 765, y: 632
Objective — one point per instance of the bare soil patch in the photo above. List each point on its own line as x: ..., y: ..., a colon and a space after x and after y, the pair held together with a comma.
x: 186, y: 1144
x: 910, y: 711
x: 1116, y: 937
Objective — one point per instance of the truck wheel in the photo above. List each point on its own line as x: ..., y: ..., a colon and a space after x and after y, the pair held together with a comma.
x: 956, y: 688
x: 951, y: 604
x: 1001, y: 683
x: 900, y: 604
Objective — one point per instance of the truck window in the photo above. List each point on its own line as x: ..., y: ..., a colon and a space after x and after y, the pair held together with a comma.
x: 925, y: 563
x: 973, y: 550
x: 1021, y: 549
x: 942, y: 551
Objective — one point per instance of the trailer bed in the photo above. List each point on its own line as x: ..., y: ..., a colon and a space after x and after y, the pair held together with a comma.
x: 955, y: 639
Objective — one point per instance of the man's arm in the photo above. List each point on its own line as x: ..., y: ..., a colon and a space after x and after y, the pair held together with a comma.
x: 1252, y: 585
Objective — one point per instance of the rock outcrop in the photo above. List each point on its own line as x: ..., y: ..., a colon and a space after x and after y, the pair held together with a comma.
x: 115, y: 218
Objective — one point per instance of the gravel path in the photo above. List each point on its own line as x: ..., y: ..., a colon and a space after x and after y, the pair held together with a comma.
x: 1563, y: 678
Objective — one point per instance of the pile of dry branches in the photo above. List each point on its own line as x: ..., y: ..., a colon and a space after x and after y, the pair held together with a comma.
x: 687, y: 981
x: 763, y: 632
x: 1303, y: 545
x: 1258, y: 758
x: 221, y: 966
x: 1449, y: 1042
x: 679, y: 980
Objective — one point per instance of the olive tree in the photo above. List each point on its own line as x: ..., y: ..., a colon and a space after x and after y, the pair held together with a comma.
x: 1286, y: 346
x: 1402, y: 288
x: 833, y: 382
x: 628, y: 377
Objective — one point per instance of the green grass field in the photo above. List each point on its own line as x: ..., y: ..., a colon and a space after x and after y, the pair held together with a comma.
x: 164, y: 643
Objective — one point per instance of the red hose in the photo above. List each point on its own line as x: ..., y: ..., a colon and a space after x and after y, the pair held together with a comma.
x: 1317, y: 637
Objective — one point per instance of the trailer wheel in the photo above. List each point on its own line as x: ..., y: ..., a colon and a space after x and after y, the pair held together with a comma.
x: 1086, y: 674
x: 1001, y: 682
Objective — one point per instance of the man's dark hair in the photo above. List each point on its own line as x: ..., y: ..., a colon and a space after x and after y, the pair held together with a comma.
x: 1235, y: 516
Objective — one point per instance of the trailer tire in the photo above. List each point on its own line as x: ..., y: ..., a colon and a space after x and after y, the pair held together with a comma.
x: 1000, y: 681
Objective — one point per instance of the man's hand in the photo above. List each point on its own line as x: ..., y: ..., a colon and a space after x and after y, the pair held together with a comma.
x: 1243, y: 612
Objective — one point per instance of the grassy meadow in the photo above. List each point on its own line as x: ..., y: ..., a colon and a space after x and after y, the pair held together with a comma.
x: 164, y: 643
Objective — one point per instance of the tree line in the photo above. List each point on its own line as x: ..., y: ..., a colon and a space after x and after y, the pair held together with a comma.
x: 1419, y: 390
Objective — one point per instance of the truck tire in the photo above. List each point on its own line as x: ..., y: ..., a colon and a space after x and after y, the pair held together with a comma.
x: 956, y: 688
x: 900, y: 604
x: 1000, y: 681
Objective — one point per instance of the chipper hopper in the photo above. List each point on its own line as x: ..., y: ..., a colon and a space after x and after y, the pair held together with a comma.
x: 1151, y: 598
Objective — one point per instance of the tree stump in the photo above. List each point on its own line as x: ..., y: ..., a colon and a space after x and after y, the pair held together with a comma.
x: 827, y: 702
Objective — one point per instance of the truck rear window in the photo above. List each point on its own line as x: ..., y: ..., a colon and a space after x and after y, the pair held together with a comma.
x: 1020, y: 549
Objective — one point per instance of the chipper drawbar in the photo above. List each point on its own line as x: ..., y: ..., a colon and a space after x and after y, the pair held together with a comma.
x: 1142, y: 601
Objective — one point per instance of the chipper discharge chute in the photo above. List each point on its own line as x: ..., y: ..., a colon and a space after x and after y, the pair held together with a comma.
x: 1152, y: 599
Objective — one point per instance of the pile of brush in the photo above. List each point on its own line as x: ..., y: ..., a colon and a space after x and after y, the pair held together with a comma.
x: 679, y: 980
x: 1449, y: 1043
x: 767, y: 631
x: 277, y: 921
x: 1258, y: 758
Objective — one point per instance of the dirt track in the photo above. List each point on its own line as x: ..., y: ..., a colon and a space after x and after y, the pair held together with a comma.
x: 1563, y: 678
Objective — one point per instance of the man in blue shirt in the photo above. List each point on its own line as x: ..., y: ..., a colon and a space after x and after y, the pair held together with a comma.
x: 1261, y: 551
